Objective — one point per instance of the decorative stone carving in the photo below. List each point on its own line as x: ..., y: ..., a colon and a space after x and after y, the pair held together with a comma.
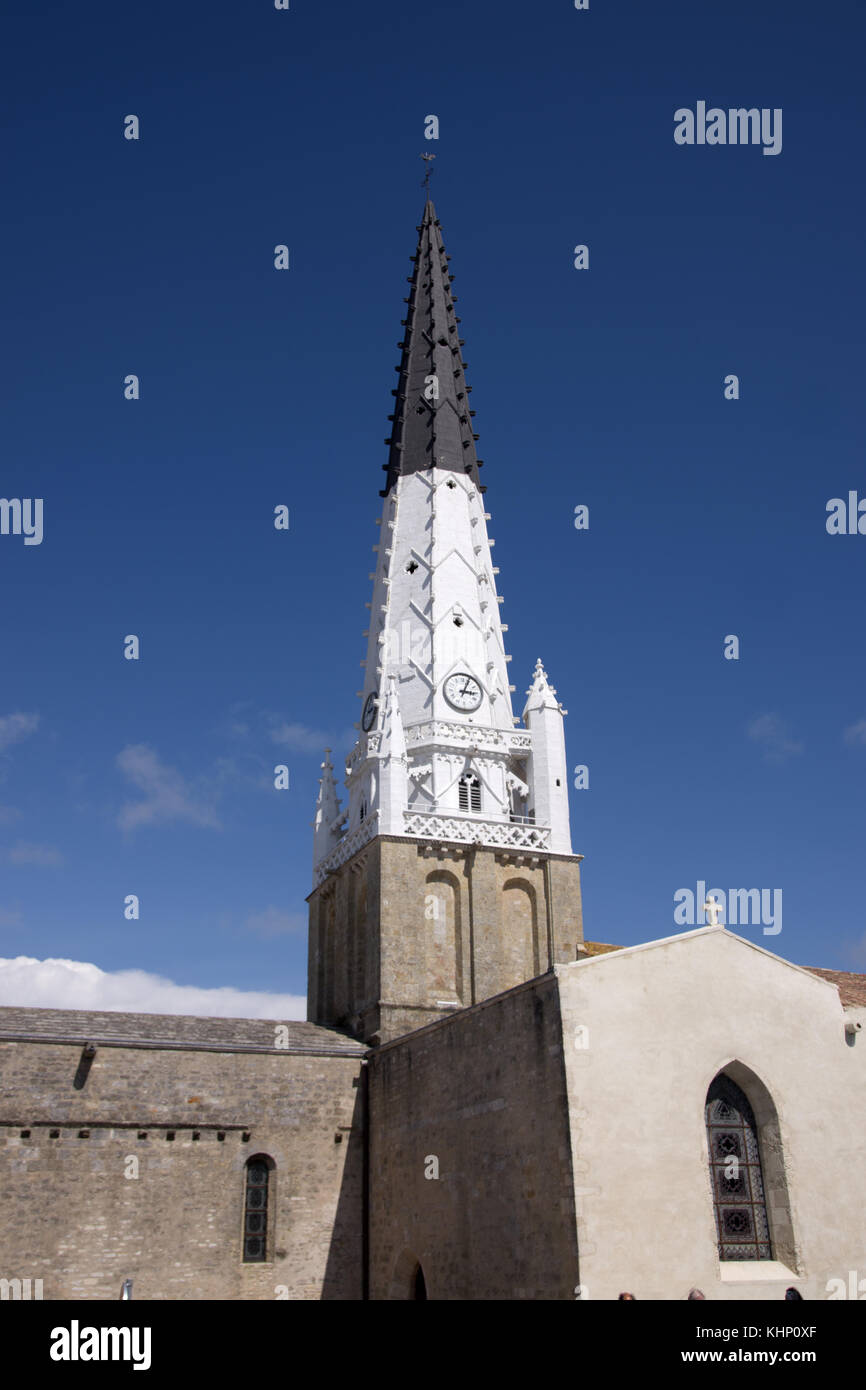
x: 473, y: 830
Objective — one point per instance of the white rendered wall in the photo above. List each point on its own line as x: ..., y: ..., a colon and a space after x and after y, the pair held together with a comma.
x: 659, y: 1022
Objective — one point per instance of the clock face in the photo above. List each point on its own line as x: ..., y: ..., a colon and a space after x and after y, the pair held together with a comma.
x: 463, y: 691
x: 368, y: 718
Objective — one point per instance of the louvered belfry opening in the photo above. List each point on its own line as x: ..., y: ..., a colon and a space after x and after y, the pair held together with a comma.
x: 469, y: 793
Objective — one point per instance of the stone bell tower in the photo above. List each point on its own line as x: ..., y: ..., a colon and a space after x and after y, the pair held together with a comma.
x: 448, y: 876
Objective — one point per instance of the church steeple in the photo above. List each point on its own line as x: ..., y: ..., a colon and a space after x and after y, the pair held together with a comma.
x: 450, y: 875
x: 435, y: 642
x: 432, y: 422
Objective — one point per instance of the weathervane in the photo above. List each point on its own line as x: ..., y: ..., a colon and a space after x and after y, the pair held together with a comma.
x: 428, y: 170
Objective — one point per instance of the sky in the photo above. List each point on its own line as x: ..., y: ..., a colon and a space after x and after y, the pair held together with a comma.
x: 602, y: 387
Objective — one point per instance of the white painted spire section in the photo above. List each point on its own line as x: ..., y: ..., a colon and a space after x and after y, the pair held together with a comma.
x: 436, y: 640
x: 388, y: 790
x: 328, y: 819
x: 442, y: 758
x: 543, y: 716
x: 438, y: 755
x: 435, y: 608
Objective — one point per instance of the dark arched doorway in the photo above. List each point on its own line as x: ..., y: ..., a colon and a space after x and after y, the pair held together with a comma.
x: 409, y: 1282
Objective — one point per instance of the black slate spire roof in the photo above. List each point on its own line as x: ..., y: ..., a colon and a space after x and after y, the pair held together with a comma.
x: 429, y: 432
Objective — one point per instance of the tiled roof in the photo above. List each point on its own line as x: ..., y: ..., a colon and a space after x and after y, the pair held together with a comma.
x: 852, y: 988
x: 175, y: 1030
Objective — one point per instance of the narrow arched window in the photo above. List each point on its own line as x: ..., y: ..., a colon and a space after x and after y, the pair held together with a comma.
x: 742, y: 1229
x: 419, y: 1285
x: 258, y: 1177
x: 469, y: 792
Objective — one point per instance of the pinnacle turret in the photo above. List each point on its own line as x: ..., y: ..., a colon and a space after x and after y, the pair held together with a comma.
x: 393, y: 737
x: 390, y: 781
x: 327, y: 826
x: 541, y: 694
x: 432, y: 422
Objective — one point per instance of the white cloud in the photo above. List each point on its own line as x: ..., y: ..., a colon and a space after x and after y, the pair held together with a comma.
x: 69, y: 984
x: 274, y: 922
x: 300, y: 739
x: 15, y: 727
x: 246, y: 725
x: 773, y: 734
x: 167, y: 796
x: 856, y: 733
x: 26, y: 853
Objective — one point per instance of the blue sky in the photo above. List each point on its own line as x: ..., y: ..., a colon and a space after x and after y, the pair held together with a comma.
x: 259, y: 387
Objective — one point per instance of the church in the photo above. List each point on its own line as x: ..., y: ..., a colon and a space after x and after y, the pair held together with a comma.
x: 482, y: 1105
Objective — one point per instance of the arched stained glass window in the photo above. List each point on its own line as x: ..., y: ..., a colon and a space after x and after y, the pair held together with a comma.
x: 256, y: 1208
x: 735, y: 1168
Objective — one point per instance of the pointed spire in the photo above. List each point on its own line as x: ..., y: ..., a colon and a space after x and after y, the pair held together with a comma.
x: 541, y: 694
x: 326, y: 832
x: 432, y: 422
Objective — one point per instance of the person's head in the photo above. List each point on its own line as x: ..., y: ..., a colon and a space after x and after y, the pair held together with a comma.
x: 696, y: 1293
x: 629, y: 1296
x: 792, y: 1295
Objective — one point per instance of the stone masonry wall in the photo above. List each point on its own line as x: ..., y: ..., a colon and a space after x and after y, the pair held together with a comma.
x: 482, y: 1093
x: 73, y: 1214
x: 405, y: 931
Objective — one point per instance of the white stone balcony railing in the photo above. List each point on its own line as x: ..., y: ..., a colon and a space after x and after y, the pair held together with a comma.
x: 510, y: 834
x: 349, y: 845
x: 518, y: 832
x: 445, y: 733
x: 477, y: 735
x: 367, y: 745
